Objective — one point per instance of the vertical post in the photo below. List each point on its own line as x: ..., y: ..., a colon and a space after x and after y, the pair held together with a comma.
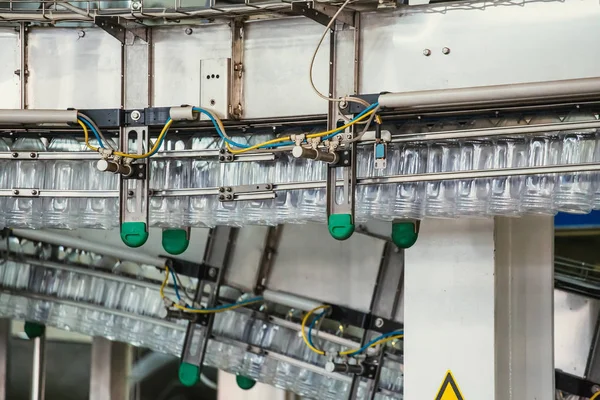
x: 4, y: 338
x: 23, y: 71
x: 236, y: 96
x: 478, y: 310
x: 111, y: 362
x: 38, y: 375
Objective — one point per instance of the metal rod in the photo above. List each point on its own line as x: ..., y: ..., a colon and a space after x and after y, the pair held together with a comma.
x: 38, y: 116
x: 4, y: 338
x: 494, y: 95
x: 38, y: 378
x: 313, y: 154
x: 65, y: 240
x: 23, y: 63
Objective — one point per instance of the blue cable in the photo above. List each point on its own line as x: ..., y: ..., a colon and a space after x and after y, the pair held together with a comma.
x: 175, y: 284
x: 312, y: 325
x: 366, y: 110
x: 86, y: 122
x: 161, y: 141
x: 227, y: 140
x: 385, y: 335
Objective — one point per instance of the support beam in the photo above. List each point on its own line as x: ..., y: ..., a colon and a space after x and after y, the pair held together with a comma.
x: 38, y: 372
x: 4, y: 338
x: 479, y: 303
x: 111, y: 362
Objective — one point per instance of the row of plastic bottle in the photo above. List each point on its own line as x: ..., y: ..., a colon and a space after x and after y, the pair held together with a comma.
x: 542, y: 194
x: 121, y: 302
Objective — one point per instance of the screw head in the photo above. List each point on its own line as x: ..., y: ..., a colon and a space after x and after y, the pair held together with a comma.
x: 229, y: 197
x: 268, y: 186
x: 130, y: 193
x: 221, y: 158
x: 346, y: 162
x: 426, y: 52
x: 16, y: 192
x: 189, y: 31
x: 221, y: 189
x: 15, y: 155
x: 379, y: 322
x: 32, y: 155
x: 34, y: 192
x: 446, y: 50
x: 136, y: 115
x: 81, y: 34
x: 136, y: 5
x: 212, y: 272
x: 221, y: 197
x: 229, y: 158
x: 228, y: 189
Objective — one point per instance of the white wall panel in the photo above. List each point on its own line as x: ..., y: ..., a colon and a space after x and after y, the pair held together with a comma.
x: 177, y: 61
x: 9, y: 63
x: 489, y: 44
x: 70, y: 70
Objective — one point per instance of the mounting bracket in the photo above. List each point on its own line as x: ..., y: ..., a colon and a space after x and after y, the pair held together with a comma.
x: 118, y: 29
x: 322, y: 13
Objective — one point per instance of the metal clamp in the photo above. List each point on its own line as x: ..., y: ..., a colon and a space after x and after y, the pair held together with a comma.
x: 227, y: 157
x: 246, y: 192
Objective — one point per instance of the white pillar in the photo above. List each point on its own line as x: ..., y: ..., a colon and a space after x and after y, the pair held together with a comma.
x: 479, y: 303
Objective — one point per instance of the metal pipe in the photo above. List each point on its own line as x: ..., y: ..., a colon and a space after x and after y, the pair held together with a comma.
x: 290, y: 300
x: 38, y: 378
x: 111, y: 166
x: 70, y: 241
x: 312, y: 154
x: 38, y: 116
x: 184, y: 113
x: 494, y: 95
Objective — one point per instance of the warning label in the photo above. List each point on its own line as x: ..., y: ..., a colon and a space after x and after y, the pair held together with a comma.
x: 449, y: 389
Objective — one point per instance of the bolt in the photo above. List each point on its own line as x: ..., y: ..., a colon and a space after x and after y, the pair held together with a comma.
x: 136, y: 5
x: 34, y: 192
x: 346, y: 162
x: 32, y: 155
x: 81, y: 34
x: 15, y: 155
x: 229, y: 197
x: 136, y: 115
x: 268, y: 186
x: 229, y: 158
x: 426, y: 52
x: 379, y: 322
x: 140, y: 175
x: 446, y: 50
x: 221, y: 189
x: 222, y: 151
x: 207, y: 288
x: 130, y: 193
x: 221, y: 158
x: 16, y: 192
x: 221, y: 197
x: 229, y: 189
x: 212, y: 272
x: 349, y: 136
x: 346, y: 153
x: 188, y: 31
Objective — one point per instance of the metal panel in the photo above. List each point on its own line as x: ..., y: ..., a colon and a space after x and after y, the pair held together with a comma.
x: 136, y: 74
x: 312, y: 264
x: 276, y: 64
x: 449, y: 308
x: 245, y: 261
x: 574, y: 326
x: 73, y: 68
x: 214, y: 86
x: 524, y: 314
x: 176, y: 60
x: 505, y: 43
x: 9, y: 81
x: 111, y: 362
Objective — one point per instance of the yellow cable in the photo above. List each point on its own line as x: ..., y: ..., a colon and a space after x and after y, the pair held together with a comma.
x: 194, y: 310
x: 304, y: 337
x: 384, y: 340
x: 87, y: 137
x: 309, y: 136
x: 596, y: 395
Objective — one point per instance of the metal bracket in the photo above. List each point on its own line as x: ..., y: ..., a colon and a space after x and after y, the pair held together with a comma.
x: 236, y: 95
x: 118, y: 28
x: 322, y: 13
x: 227, y: 157
x: 246, y: 192
x: 268, y: 257
x: 140, y: 171
x: 574, y: 385
x: 134, y: 196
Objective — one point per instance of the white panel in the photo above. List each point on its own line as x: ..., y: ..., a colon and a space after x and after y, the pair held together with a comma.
x: 245, y: 261
x: 177, y: 61
x: 449, y: 308
x: 66, y: 70
x: 574, y: 326
x: 489, y: 45
x: 312, y: 264
x: 136, y: 75
x: 214, y: 86
x: 9, y: 63
x: 277, y: 57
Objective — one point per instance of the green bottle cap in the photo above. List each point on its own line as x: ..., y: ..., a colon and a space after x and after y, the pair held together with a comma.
x: 405, y: 234
x: 175, y: 241
x: 340, y: 226
x: 134, y: 234
x: 34, y: 330
x: 244, y: 382
x: 188, y: 374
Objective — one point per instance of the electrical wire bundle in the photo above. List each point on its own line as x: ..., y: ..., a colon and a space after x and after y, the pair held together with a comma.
x: 183, y: 306
x: 386, y: 337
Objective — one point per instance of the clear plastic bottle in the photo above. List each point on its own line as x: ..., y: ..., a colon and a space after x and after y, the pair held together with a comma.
x: 473, y: 194
x: 407, y: 199
x: 22, y: 212
x: 60, y: 212
x: 203, y: 174
x: 538, y: 190
x: 505, y: 196
x: 573, y: 191
x: 99, y: 213
x: 168, y: 173
x: 4, y: 179
x: 232, y: 174
x: 440, y: 196
x: 259, y: 172
x: 372, y: 200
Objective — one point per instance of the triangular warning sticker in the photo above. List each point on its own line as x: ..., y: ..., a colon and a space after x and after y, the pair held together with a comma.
x: 449, y: 389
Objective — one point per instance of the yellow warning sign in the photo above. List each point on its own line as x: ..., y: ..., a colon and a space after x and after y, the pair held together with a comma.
x: 449, y: 389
